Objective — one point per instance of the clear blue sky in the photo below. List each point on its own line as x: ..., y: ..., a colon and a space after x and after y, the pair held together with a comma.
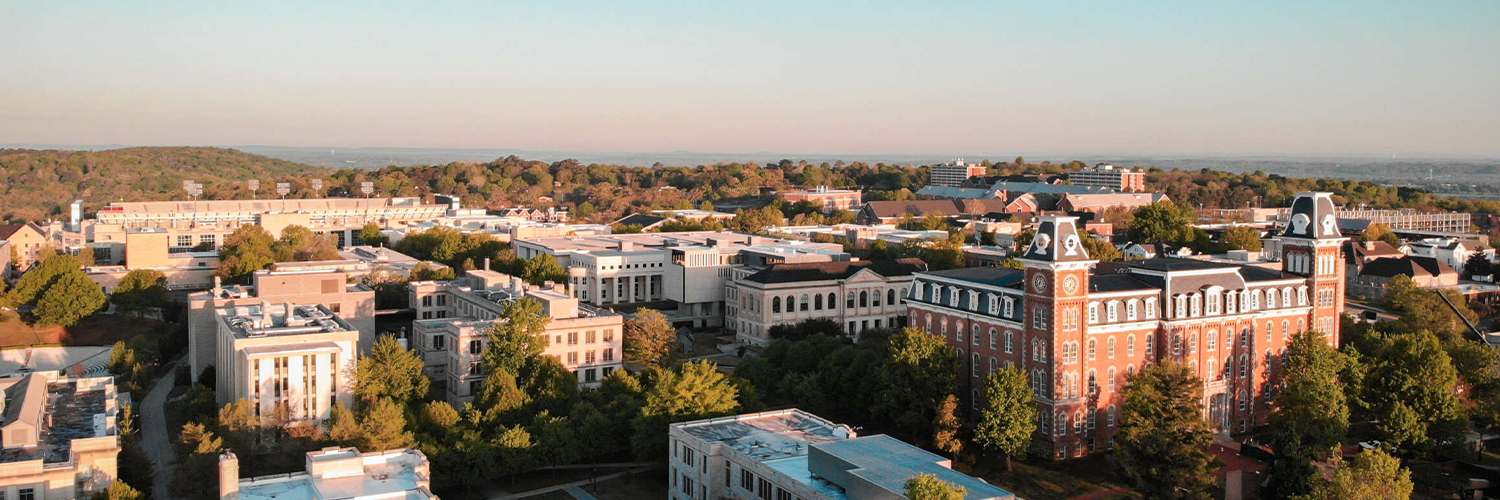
x: 1418, y: 77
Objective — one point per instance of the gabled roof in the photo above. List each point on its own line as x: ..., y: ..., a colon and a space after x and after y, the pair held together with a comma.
x: 918, y: 208
x: 1390, y: 267
x: 8, y: 230
x: 1356, y: 252
x: 1081, y: 201
x: 993, y: 276
x: 823, y: 271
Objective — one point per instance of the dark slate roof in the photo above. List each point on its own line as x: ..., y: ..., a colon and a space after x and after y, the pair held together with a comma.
x: 1104, y: 283
x: 993, y: 276
x: 1312, y: 216
x: 1355, y: 252
x: 8, y: 230
x: 1390, y: 267
x: 821, y: 271
x: 1056, y: 240
x: 1256, y: 273
x: 642, y: 220
x: 1169, y: 264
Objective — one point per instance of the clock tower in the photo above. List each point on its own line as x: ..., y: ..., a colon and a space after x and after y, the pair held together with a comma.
x: 1311, y: 247
x: 1057, y: 280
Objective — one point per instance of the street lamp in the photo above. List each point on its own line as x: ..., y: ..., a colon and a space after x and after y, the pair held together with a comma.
x: 282, y: 188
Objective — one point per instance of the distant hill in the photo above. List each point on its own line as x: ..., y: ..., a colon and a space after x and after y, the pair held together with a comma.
x: 39, y: 184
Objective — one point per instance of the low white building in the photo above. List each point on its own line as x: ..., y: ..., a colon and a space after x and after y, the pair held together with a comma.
x: 335, y: 473
x: 61, y: 439
x: 1451, y: 251
x: 795, y: 455
x: 290, y: 362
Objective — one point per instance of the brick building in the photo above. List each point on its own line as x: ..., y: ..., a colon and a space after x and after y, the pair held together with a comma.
x: 1079, y: 327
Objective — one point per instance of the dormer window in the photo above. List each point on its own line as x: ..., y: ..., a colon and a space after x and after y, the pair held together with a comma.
x: 917, y: 289
x: 1113, y: 311
x: 1130, y: 309
x: 1212, y: 299
x: 1151, y: 308
x: 1231, y: 300
x: 1197, y: 301
x: 1093, y: 312
x: 973, y: 300
x: 952, y: 297
x: 1301, y: 295
x: 1286, y: 297
x: 1181, y: 307
x: 1270, y: 299
x: 1010, y: 307
x: 937, y: 294
x: 994, y: 303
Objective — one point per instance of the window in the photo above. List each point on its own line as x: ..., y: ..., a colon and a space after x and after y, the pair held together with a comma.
x: 1111, y: 418
x: 1130, y: 310
x: 438, y: 344
x: 1093, y: 312
x: 1270, y: 330
x: 1110, y: 381
x: 993, y: 339
x: 1286, y: 329
x: 958, y: 331
x: 475, y: 368
x: 818, y: 302
x: 890, y: 297
x: 206, y: 239
x: 1113, y: 311
x: 1212, y: 338
x: 974, y: 335
x: 184, y: 240
x: 1151, y: 308
x: 1176, y: 344
x: 1181, y: 302
x: 1110, y: 348
x: 1010, y: 306
x: 1244, y: 366
x: 1093, y: 384
x: 994, y: 304
x: 974, y: 365
x: 849, y: 299
x: 1039, y: 318
x: 573, y: 358
x: 994, y: 364
x: 572, y: 338
x: 1230, y: 300
x: 1093, y: 346
x: 1245, y: 338
x: 1270, y: 299
x: 1197, y: 301
x: 589, y: 336
x: 1062, y: 424
x: 747, y: 480
x: 588, y: 357
x: 609, y: 354
x: 804, y: 302
x: 775, y: 304
x: 1070, y: 319
x: 791, y: 304
x: 973, y: 300
x: 609, y: 335
x: 1211, y: 301
x: 1008, y: 335
x: 831, y: 301
x: 1130, y: 345
x: 1150, y: 344
x: 1286, y: 297
x: 1302, y: 296
x: 26, y: 494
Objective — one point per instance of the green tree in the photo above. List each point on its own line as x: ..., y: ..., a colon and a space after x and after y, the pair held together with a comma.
x: 42, y: 276
x: 343, y: 426
x: 1372, y: 475
x: 425, y: 271
x: 693, y: 390
x: 86, y: 256
x: 946, y: 427
x: 140, y: 290
x: 584, y: 211
x: 247, y: 250
x: 1023, y: 239
x: 391, y: 371
x: 1311, y: 414
x: 649, y: 339
x: 72, y: 297
x: 371, y: 235
x: 544, y: 268
x: 1162, y: 222
x: 1163, y: 440
x: 1101, y: 250
x: 516, y: 339
x: 301, y: 244
x: 922, y: 371
x: 1008, y: 415
x: 929, y: 487
x: 1241, y: 238
x: 1411, y: 389
x: 384, y: 427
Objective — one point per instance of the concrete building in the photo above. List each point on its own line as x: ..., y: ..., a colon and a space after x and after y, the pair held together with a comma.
x: 1080, y: 327
x: 1106, y: 175
x: 1410, y: 219
x: 291, y: 362
x: 832, y: 200
x: 352, y: 302
x: 954, y: 173
x: 61, y: 439
x: 792, y: 454
x: 682, y: 274
x: 858, y: 295
x: 455, y: 318
x: 335, y: 473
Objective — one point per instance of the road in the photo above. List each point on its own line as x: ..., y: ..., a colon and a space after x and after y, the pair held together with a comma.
x: 154, y: 435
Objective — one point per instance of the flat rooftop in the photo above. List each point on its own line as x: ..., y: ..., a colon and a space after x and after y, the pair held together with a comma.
x: 179, y: 207
x: 768, y: 436
x: 70, y: 408
x: 345, y: 473
x: 888, y: 463
x: 262, y: 320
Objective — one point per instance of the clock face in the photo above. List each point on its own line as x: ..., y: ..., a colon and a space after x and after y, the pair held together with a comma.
x: 1070, y: 284
x: 1039, y: 283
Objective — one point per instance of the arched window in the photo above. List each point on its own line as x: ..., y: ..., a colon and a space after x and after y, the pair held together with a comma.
x: 1110, y: 380
x: 832, y: 301
x: 974, y: 365
x: 1286, y: 329
x: 994, y: 364
x: 994, y: 340
x: 902, y: 297
x: 1007, y: 341
x: 928, y: 320
x: 1129, y: 370
x: 974, y: 334
x: 1091, y: 418
x: 1130, y: 345
x: 1093, y: 383
x: 776, y: 304
x: 1111, y: 421
x: 818, y: 302
x: 1270, y: 299
x: 791, y: 304
x: 1130, y: 310
x: 1301, y: 325
x: 1093, y: 312
x: 1243, y: 397
x: 1176, y: 344
x: 958, y: 330
x: 1110, y: 347
x: 943, y: 325
x: 1062, y: 424
x: 1113, y: 311
x: 1270, y: 331
x: 1212, y: 338
x: 1244, y: 365
x: 804, y: 302
x: 1245, y: 338
x: 1078, y: 422
x: 890, y: 297
x: 864, y: 298
x: 1093, y: 346
x: 849, y: 300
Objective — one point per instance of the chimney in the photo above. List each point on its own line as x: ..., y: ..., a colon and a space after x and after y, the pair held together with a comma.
x: 229, y: 476
x: 286, y: 309
x: 218, y: 286
x: 1369, y: 245
x: 265, y: 313
x: 486, y: 263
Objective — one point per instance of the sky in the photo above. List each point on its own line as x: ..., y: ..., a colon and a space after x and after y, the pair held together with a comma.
x: 1282, y: 77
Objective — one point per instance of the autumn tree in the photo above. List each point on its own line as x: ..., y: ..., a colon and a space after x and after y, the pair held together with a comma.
x: 691, y: 391
x: 1101, y: 249
x: 1380, y: 232
x: 1163, y: 440
x: 946, y: 427
x: 929, y: 487
x: 247, y: 250
x: 1007, y: 416
x: 390, y: 371
x: 649, y: 339
x: 372, y: 236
